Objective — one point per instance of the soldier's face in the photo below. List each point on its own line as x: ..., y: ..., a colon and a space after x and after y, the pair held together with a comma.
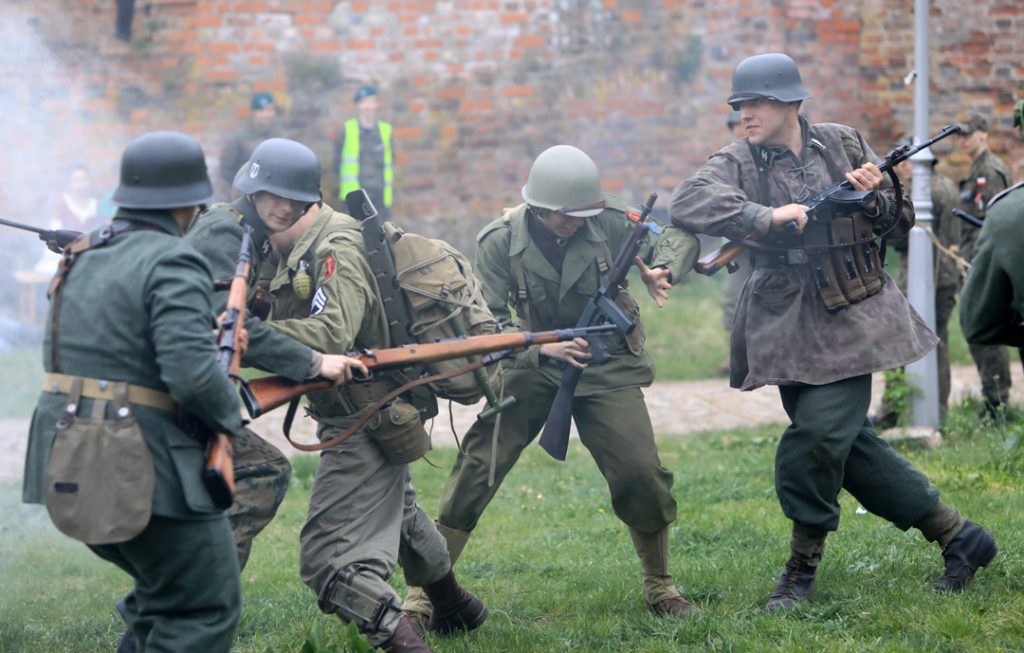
x: 972, y: 144
x: 277, y: 213
x: 560, y: 224
x: 765, y: 121
x: 264, y: 118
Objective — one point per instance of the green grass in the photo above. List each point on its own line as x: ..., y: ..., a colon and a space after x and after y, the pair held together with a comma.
x: 557, y: 570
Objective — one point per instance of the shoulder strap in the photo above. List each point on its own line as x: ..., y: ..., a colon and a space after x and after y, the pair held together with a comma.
x: 80, y: 245
x: 521, y: 296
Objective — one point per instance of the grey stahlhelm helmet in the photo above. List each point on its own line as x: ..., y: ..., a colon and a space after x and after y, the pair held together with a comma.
x: 163, y: 170
x: 283, y: 167
x: 565, y: 179
x: 773, y: 76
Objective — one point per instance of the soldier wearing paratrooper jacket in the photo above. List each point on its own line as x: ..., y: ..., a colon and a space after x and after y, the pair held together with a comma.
x: 992, y: 301
x: 987, y: 177
x: 363, y: 518
x: 132, y: 345
x: 817, y: 334
x: 262, y: 472
x: 945, y: 228
x: 543, y: 259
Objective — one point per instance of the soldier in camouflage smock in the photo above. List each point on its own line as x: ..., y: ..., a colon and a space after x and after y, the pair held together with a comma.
x: 992, y: 302
x: 262, y: 473
x: 363, y: 517
x: 987, y: 177
x: 815, y: 333
x: 945, y: 228
x: 543, y: 259
x: 134, y: 310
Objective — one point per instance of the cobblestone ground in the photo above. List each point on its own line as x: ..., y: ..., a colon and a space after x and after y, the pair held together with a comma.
x: 678, y: 408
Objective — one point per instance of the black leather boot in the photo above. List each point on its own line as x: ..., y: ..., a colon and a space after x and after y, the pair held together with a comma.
x: 795, y: 585
x: 972, y: 548
x: 455, y: 608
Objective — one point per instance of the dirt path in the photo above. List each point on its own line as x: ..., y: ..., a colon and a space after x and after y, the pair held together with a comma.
x: 677, y: 408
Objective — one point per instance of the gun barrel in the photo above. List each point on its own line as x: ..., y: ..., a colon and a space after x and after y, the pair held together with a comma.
x: 968, y: 218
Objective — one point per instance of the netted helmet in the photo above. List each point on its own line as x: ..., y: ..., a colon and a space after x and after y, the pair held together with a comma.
x: 163, y: 170
x: 773, y: 76
x: 283, y: 167
x: 564, y: 179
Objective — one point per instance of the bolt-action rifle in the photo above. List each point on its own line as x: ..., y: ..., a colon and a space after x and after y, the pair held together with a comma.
x: 267, y: 393
x: 55, y: 239
x: 601, y: 309
x: 968, y: 218
x: 218, y: 471
x: 837, y: 200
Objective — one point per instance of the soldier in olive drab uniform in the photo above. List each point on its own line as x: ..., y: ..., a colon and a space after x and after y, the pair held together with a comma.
x: 135, y: 309
x: 544, y: 259
x: 992, y: 301
x: 262, y: 473
x: 987, y: 177
x: 817, y: 334
x: 946, y: 229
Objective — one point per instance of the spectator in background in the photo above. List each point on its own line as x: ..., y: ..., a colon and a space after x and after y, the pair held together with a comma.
x: 364, y: 155
x: 76, y: 206
x: 241, y: 143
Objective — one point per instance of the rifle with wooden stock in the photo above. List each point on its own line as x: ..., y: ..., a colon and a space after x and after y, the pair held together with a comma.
x: 267, y: 393
x: 600, y: 310
x: 218, y: 471
x: 841, y: 198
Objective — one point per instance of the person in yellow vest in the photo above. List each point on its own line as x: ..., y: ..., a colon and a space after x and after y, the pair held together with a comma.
x: 364, y: 156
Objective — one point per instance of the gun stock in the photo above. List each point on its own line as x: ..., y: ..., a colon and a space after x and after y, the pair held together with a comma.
x: 265, y: 394
x: 601, y: 309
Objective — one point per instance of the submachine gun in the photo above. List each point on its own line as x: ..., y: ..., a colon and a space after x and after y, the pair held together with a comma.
x: 839, y: 199
x: 55, y: 239
x: 601, y: 309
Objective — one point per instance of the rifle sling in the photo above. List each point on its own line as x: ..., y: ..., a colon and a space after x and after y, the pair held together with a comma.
x: 372, y: 410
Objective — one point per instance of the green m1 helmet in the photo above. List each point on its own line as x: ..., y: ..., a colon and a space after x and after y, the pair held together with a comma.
x: 163, y: 170
x: 565, y: 179
x: 283, y: 167
x: 773, y: 76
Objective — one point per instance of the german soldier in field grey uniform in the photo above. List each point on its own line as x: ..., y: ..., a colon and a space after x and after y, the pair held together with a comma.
x: 544, y: 259
x: 363, y: 518
x: 945, y: 228
x: 131, y: 347
x: 987, y: 177
x: 817, y: 321
x: 262, y: 473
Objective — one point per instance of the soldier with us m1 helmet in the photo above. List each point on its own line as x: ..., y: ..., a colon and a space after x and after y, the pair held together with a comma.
x: 992, y: 301
x: 818, y: 323
x: 542, y: 260
x: 129, y: 349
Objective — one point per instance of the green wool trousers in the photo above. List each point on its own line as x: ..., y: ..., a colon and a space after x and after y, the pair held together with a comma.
x: 830, y: 446
x: 187, y: 594
x: 614, y: 426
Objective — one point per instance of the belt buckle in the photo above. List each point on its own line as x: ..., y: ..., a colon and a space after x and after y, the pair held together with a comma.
x: 796, y: 256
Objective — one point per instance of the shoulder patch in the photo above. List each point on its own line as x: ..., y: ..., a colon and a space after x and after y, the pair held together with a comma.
x: 330, y: 265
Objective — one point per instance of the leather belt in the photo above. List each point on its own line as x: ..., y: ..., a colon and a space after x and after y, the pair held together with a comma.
x: 103, y: 389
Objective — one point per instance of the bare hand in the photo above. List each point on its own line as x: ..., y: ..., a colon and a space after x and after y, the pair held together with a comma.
x: 866, y: 178
x: 575, y: 352
x: 341, y: 368
x: 656, y: 280
x: 789, y: 213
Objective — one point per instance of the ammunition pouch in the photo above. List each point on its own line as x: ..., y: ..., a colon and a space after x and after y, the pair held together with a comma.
x: 99, y: 476
x: 396, y: 428
x: 635, y: 340
x: 844, y: 259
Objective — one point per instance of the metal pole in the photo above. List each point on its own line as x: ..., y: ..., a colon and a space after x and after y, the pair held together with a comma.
x: 921, y: 262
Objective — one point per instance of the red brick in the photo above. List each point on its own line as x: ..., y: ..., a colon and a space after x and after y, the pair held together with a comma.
x: 220, y: 75
x: 451, y: 93
x: 413, y: 132
x: 360, y: 7
x: 332, y: 45
x: 360, y: 44
x: 308, y: 19
x: 223, y: 48
x: 631, y: 16
x: 530, y: 41
x: 201, y: 21
x: 512, y: 17
x: 517, y: 91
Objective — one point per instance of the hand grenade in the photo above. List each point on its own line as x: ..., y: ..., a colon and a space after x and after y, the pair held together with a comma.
x: 302, y: 284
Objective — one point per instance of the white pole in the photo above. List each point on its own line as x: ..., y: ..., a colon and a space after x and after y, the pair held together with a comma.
x: 921, y: 264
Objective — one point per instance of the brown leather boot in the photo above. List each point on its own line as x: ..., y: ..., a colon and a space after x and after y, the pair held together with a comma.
x: 405, y: 640
x: 455, y: 608
x: 796, y: 585
x: 417, y: 605
x: 659, y: 589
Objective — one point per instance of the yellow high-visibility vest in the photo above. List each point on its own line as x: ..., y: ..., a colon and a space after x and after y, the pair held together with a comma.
x: 349, y: 172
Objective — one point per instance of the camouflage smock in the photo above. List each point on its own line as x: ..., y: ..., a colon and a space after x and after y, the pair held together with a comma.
x: 782, y: 332
x: 557, y: 300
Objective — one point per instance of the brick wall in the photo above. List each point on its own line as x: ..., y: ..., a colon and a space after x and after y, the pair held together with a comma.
x: 477, y: 88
